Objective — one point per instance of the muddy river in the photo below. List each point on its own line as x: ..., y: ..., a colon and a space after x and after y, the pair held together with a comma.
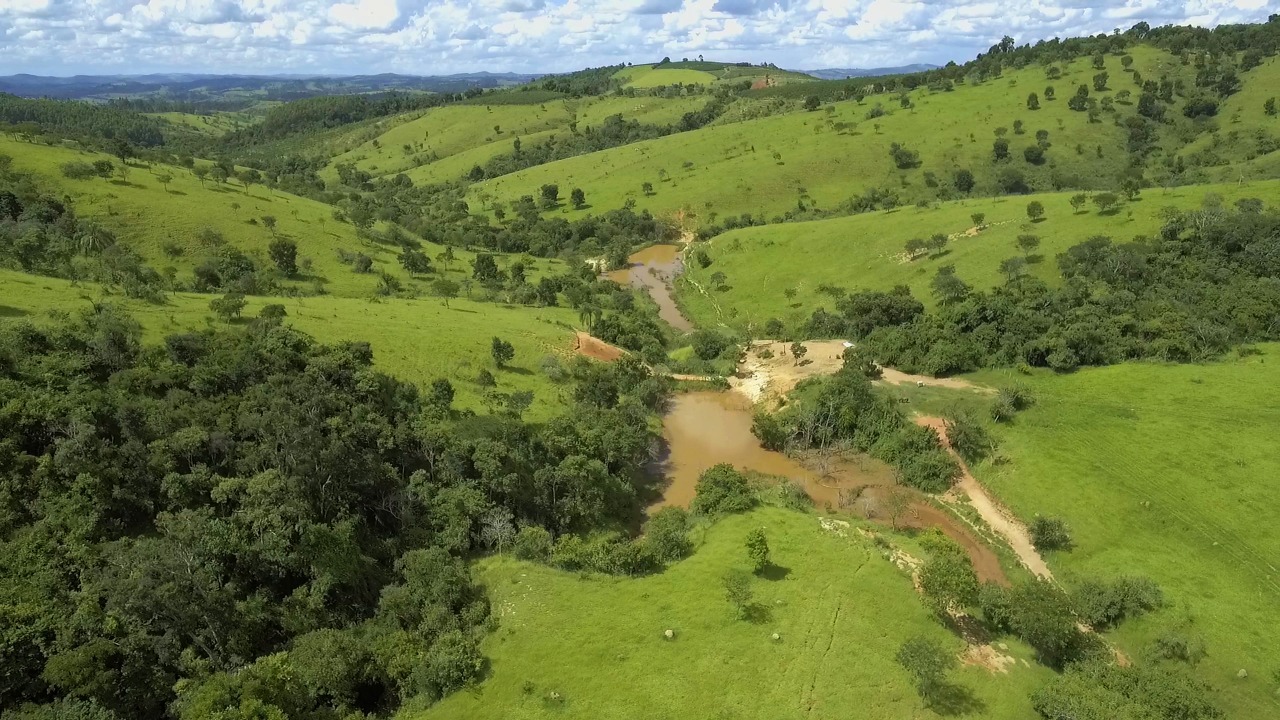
x: 653, y: 270
x: 703, y: 429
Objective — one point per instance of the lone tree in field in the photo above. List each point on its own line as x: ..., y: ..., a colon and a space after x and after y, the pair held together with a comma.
x: 963, y: 180
x: 446, y: 289
x: 812, y: 103
x: 758, y: 550
x: 1105, y: 201
x: 915, y: 246
x: 737, y: 590
x: 201, y: 172
x: 798, y: 350
x: 164, y: 179
x: 1035, y: 210
x: 936, y: 243
x: 550, y: 194
x: 1078, y: 200
x: 977, y: 219
x: 284, y: 253
x: 647, y: 188
x: 1033, y: 102
x: 502, y: 351
x: 927, y: 662
x: 578, y: 198
x: 1028, y: 243
x: 269, y: 222
x: 228, y: 306
x: 415, y: 262
x: 1269, y: 107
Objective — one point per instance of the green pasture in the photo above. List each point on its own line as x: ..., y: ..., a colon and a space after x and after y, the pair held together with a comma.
x: 414, y: 340
x: 650, y: 76
x: 213, y: 124
x: 1167, y: 471
x: 822, y: 158
x: 761, y: 264
x: 839, y: 607
x: 157, y: 222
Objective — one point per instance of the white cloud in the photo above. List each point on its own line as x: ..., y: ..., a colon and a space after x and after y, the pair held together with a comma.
x: 442, y: 36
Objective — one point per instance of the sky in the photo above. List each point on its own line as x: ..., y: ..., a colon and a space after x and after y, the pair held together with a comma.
x: 434, y: 37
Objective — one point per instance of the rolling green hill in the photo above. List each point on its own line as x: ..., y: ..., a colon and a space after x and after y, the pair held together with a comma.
x: 821, y: 159
x: 866, y: 251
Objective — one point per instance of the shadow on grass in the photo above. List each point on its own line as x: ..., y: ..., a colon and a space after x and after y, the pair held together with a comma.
x: 10, y: 312
x: 950, y: 699
x: 775, y: 572
x: 515, y: 370
x: 1035, y: 259
x: 757, y: 614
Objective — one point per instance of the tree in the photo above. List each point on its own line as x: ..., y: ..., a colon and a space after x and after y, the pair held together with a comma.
x: 937, y: 242
x: 1105, y: 201
x: 758, y: 550
x: 1028, y: 243
x: 446, y: 289
x: 122, y: 150
x: 1033, y: 154
x: 1269, y: 107
x: 798, y: 350
x: 362, y: 264
x: 201, y: 172
x: 896, y: 503
x: 1078, y: 200
x: 1130, y: 187
x: 484, y: 268
x: 550, y: 195
x: 1035, y: 210
x: 722, y: 489
x: 269, y: 222
x: 284, y: 253
x: 978, y: 219
x: 578, y: 198
x: 415, y: 262
x: 647, y: 188
x: 1100, y: 81
x: 248, y: 177
x: 1050, y: 533
x: 502, y: 351
x: 812, y: 103
x: 218, y: 174
x: 1048, y: 92
x: 1033, y: 102
x: 1000, y: 149
x: 273, y: 313
x: 963, y: 180
x: 164, y: 179
x: 737, y: 591
x: 927, y: 662
x: 228, y: 306
x: 915, y: 246
x: 947, y: 580
x: 947, y: 287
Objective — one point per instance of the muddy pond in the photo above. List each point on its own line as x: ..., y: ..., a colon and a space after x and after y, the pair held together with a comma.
x: 653, y: 269
x: 706, y: 428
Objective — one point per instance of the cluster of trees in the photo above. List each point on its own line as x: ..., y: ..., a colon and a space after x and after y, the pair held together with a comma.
x: 1204, y: 284
x: 90, y: 123
x: 247, y: 523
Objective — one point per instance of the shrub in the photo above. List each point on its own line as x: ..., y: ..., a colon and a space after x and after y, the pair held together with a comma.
x: 533, y: 542
x: 1104, y: 604
x: 667, y: 534
x: 722, y: 489
x: 708, y: 344
x: 1050, y: 533
x: 77, y: 170
x: 758, y: 550
x: 969, y: 437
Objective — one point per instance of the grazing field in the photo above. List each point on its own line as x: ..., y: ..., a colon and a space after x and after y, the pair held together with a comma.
x: 414, y: 340
x: 866, y: 251
x: 822, y: 158
x: 215, y: 124
x: 1167, y: 471
x: 165, y: 225
x: 649, y: 76
x: 598, y: 642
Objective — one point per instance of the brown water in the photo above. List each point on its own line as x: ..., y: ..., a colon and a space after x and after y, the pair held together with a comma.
x: 703, y: 429
x: 653, y: 269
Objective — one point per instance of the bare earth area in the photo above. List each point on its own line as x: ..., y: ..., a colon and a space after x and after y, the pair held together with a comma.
x: 992, y: 512
x: 595, y: 348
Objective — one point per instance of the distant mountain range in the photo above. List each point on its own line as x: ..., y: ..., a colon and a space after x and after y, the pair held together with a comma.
x: 843, y: 73
x: 197, y: 87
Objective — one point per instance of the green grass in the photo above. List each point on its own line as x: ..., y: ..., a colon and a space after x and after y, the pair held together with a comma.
x: 213, y: 124
x: 768, y: 166
x: 414, y: 340
x: 866, y: 251
x: 1240, y: 121
x: 1166, y: 471
x: 841, y: 610
x: 649, y: 76
x: 149, y: 219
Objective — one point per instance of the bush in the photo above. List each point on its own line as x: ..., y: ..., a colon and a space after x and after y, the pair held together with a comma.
x: 722, y: 489
x: 708, y: 344
x: 77, y: 170
x: 1104, y: 604
x: 1050, y: 533
x: 997, y: 606
x: 969, y: 437
x: 667, y: 534
x: 533, y: 542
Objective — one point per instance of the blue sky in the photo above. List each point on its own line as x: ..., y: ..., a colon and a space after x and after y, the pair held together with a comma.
x: 62, y: 37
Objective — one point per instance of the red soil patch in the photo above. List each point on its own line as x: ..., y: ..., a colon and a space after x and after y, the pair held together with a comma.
x: 595, y: 348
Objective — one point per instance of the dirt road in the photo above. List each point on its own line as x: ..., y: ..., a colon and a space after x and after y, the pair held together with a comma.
x: 992, y: 512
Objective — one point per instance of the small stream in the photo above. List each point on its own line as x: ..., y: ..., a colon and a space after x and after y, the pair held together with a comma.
x: 653, y: 269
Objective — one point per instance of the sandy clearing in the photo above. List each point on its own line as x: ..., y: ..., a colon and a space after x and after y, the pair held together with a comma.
x: 595, y: 348
x: 896, y: 377
x: 999, y: 518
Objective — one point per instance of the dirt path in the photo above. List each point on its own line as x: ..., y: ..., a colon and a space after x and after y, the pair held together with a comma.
x: 895, y: 377
x: 595, y: 348
x: 992, y: 512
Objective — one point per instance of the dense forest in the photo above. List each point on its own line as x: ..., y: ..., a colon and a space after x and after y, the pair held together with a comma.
x: 247, y: 522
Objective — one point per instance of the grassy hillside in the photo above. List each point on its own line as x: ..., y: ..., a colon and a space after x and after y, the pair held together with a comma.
x: 213, y: 124
x: 414, y: 340
x: 649, y: 76
x: 158, y: 223
x: 444, y: 143
x: 822, y: 158
x: 598, y: 641
x: 866, y: 251
x: 1167, y: 471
